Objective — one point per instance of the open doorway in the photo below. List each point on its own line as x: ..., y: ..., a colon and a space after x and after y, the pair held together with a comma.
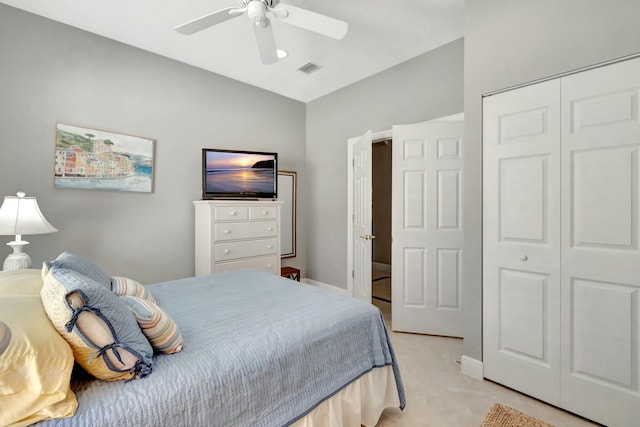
x: 381, y: 168
x: 426, y: 223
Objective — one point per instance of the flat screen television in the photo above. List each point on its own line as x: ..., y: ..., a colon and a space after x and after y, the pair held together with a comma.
x: 235, y: 174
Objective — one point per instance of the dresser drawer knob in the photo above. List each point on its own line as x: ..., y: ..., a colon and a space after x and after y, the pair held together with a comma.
x: 232, y: 213
x: 269, y: 228
x: 227, y: 231
x: 270, y: 246
x: 226, y: 251
x: 264, y: 212
x: 268, y: 265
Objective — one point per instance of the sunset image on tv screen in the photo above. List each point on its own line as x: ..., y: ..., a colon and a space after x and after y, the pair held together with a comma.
x: 241, y: 173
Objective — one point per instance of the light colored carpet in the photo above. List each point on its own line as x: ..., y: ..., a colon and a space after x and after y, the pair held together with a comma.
x: 504, y: 416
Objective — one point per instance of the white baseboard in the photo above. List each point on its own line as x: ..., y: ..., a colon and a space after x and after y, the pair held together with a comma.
x: 380, y: 266
x: 472, y: 367
x: 340, y: 291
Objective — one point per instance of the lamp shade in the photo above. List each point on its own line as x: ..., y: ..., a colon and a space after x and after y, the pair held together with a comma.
x: 21, y: 215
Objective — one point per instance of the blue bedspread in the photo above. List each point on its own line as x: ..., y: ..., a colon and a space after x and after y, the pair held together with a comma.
x: 259, y: 350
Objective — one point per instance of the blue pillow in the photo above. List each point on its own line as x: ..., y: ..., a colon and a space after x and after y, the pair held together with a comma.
x: 100, y: 328
x: 82, y: 266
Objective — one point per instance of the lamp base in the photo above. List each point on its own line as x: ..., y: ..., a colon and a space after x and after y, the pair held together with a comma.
x: 18, y: 260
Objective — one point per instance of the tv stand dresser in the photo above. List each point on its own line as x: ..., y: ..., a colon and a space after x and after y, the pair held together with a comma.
x: 236, y: 234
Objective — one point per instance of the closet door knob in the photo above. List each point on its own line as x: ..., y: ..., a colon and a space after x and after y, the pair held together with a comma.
x: 523, y: 257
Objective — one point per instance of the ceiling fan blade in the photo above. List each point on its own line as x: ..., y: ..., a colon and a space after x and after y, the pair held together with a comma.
x: 266, y: 42
x: 313, y: 21
x: 206, y: 21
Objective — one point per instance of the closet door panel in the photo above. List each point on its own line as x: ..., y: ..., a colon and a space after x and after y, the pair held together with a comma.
x: 600, y: 374
x: 521, y: 218
x: 604, y: 205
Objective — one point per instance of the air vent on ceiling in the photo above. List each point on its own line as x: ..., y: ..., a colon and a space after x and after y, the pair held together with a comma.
x: 309, y: 68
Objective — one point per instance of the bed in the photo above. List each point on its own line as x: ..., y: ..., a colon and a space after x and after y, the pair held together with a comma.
x: 258, y: 350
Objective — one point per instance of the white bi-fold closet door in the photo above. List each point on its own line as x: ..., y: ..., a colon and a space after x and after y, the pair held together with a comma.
x: 561, y: 255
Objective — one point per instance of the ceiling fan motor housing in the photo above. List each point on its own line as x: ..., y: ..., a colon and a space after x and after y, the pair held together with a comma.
x: 268, y: 3
x: 256, y: 11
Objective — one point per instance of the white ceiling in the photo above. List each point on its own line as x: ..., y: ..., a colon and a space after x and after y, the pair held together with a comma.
x: 382, y: 33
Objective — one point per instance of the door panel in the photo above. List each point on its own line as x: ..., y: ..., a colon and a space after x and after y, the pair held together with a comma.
x: 521, y: 244
x: 414, y: 200
x: 600, y: 374
x: 449, y: 279
x: 522, y: 194
x: 603, y: 318
x: 362, y: 218
x: 523, y: 327
x: 449, y: 199
x: 427, y: 251
x: 415, y: 277
x: 603, y: 199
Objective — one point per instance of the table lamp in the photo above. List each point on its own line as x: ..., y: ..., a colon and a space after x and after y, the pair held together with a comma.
x: 21, y: 215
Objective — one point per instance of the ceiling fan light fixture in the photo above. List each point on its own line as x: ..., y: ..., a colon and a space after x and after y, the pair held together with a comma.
x: 261, y: 23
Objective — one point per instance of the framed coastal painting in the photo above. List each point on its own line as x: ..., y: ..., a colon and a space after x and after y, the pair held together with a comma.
x: 101, y: 160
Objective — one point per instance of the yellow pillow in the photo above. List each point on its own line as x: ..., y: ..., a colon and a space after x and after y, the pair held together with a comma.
x: 35, y: 369
x: 20, y: 282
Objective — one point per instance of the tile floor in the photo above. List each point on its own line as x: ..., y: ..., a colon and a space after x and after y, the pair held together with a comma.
x: 439, y: 395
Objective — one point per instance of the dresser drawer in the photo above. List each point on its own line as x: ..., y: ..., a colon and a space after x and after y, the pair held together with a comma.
x: 234, y: 250
x: 245, y: 230
x: 230, y: 213
x: 260, y: 212
x: 269, y: 263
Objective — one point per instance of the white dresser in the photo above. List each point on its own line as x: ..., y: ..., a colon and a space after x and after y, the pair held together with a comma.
x: 231, y: 235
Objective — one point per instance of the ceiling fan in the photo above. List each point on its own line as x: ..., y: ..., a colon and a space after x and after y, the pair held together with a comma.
x: 257, y: 11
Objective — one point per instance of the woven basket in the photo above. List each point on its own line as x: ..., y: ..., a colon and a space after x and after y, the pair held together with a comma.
x: 504, y: 416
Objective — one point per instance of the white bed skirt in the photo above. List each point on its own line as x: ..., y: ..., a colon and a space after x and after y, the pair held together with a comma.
x: 359, y: 403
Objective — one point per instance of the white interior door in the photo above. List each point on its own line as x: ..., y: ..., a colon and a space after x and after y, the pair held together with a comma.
x: 427, y: 252
x: 521, y: 239
x: 600, y: 243
x: 361, y: 238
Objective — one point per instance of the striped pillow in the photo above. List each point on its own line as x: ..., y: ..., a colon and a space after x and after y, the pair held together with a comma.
x: 124, y: 286
x: 160, y: 329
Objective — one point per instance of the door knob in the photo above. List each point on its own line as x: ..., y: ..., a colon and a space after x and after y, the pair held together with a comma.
x: 367, y: 237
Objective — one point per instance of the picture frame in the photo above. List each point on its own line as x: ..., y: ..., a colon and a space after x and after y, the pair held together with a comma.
x: 93, y: 159
x: 287, y: 193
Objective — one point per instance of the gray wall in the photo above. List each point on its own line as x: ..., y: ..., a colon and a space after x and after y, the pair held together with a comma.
x: 508, y: 42
x: 51, y: 73
x: 426, y: 87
